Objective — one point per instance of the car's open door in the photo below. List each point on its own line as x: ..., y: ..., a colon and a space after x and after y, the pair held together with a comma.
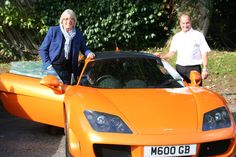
x: 25, y: 97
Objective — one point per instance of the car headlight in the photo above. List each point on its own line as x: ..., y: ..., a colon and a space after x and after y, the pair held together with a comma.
x: 216, y: 119
x: 103, y: 122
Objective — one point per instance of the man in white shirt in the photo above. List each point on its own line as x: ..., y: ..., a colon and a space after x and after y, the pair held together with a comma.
x: 191, y: 48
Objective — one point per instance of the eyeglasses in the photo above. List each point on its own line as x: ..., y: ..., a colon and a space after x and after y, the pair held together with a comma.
x: 68, y: 19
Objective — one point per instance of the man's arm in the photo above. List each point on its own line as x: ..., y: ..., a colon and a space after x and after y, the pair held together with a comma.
x: 205, y: 65
x: 168, y: 55
x: 44, y: 49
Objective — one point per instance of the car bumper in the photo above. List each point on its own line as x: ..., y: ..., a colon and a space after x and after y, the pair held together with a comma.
x: 219, y: 143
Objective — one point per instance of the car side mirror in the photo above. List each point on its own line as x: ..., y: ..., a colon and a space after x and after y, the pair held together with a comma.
x: 52, y: 82
x: 195, y: 78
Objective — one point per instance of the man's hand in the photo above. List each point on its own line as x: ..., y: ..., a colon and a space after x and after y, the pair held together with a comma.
x: 205, y: 73
x: 158, y: 54
x: 166, y: 56
x: 91, y: 55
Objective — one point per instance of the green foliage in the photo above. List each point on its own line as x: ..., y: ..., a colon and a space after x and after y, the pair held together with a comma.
x: 6, y: 52
x: 13, y: 16
x: 27, y: 18
x: 132, y: 24
x: 48, y: 12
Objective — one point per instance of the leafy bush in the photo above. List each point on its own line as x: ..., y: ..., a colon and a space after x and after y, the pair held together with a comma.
x: 132, y: 24
x: 13, y: 21
x: 129, y: 23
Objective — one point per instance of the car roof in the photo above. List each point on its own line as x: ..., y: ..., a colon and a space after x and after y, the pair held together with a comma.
x: 123, y: 54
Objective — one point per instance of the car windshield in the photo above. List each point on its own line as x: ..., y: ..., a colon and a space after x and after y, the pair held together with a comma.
x: 127, y: 73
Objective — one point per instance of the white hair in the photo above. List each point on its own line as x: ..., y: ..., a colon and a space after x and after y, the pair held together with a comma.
x: 66, y: 12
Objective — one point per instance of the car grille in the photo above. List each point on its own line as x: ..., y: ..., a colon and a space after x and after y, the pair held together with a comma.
x: 206, y: 149
x: 214, y: 148
x: 102, y: 150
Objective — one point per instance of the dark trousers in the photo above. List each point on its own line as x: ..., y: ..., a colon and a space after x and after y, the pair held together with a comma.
x: 184, y: 71
x: 64, y: 73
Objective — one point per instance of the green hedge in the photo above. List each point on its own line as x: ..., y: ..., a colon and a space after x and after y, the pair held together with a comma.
x: 132, y: 24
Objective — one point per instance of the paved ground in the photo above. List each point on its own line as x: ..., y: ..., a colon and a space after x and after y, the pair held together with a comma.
x: 231, y: 99
x: 23, y: 138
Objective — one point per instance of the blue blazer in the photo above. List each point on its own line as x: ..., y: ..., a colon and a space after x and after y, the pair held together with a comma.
x: 52, y: 45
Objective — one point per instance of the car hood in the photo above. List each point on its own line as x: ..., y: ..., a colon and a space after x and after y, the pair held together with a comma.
x: 152, y: 111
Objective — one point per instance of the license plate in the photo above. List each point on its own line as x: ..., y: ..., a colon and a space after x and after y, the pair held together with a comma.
x: 177, y: 150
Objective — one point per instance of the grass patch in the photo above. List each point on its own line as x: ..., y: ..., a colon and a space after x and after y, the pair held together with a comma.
x: 222, y: 68
x: 222, y: 63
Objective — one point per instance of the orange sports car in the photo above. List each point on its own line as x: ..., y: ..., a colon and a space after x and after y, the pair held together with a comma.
x: 125, y: 104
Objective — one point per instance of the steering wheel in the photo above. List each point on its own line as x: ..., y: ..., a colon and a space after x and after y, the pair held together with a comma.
x: 102, y: 78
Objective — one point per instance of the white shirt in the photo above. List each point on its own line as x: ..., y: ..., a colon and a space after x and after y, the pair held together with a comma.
x: 189, y: 47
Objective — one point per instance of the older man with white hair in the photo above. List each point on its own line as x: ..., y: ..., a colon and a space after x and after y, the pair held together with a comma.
x: 61, y: 46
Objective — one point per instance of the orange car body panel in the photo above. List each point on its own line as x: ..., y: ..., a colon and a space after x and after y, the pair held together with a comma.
x: 32, y: 101
x: 170, y: 129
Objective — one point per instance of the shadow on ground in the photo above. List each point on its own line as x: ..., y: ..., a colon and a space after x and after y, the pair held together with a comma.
x: 23, y: 138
